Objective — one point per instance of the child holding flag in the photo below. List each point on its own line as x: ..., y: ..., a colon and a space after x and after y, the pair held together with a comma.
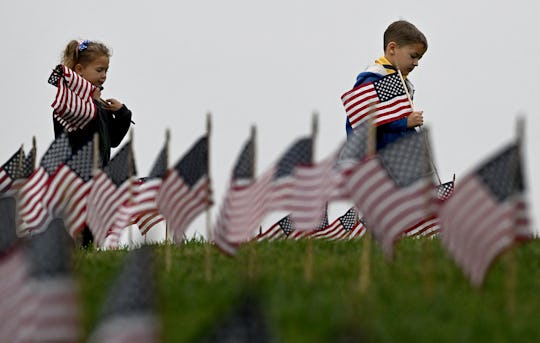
x: 404, y: 46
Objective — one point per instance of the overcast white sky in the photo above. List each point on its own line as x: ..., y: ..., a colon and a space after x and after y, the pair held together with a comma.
x: 271, y: 64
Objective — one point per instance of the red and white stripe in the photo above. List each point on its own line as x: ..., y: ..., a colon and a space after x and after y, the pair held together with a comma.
x: 145, y: 212
x: 242, y: 212
x: 30, y: 207
x: 67, y: 196
x: 181, y: 204
x: 336, y: 231
x: 73, y: 105
x: 5, y: 181
x: 475, y: 228
x: 104, y: 209
x: 390, y: 210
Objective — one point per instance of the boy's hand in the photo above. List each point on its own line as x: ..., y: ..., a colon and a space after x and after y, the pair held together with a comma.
x: 415, y: 119
x: 113, y: 104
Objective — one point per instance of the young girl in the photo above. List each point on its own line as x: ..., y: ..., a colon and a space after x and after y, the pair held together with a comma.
x: 110, y: 118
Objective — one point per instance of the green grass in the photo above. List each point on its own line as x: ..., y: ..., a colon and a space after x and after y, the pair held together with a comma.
x: 421, y: 296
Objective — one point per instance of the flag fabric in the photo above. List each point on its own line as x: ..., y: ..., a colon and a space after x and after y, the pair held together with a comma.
x: 145, y: 212
x: 185, y: 191
x: 73, y: 105
x: 242, y: 208
x: 487, y: 214
x: 444, y: 191
x: 111, y: 189
x: 385, y: 99
x: 346, y: 227
x: 129, y: 311
x: 280, y: 230
x: 31, y: 210
x: 248, y: 200
x: 51, y: 310
x: 393, y: 190
x: 430, y: 227
x: 10, y: 171
x: 68, y: 189
x: 318, y: 184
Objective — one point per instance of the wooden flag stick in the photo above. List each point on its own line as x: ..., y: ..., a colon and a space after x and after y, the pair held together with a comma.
x: 208, y: 260
x: 95, y: 169
x: 510, y: 257
x: 308, y: 262
x: 365, y: 250
x: 427, y: 251
x: 167, y: 243
x: 131, y: 181
x: 21, y: 160
x: 252, y: 260
x: 34, y: 150
x: 428, y: 148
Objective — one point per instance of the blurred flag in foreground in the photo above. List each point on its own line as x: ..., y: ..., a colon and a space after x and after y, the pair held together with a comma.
x: 393, y: 190
x: 486, y: 214
x: 129, y: 312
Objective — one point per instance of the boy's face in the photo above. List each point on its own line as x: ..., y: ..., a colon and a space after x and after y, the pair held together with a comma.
x: 405, y: 57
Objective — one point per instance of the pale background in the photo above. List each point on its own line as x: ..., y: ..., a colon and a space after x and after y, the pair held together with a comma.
x: 272, y: 64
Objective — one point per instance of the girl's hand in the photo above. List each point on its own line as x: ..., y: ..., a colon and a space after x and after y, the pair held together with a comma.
x: 97, y: 93
x: 113, y: 104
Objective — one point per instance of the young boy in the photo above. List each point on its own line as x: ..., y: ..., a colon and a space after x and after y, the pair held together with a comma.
x: 404, y: 46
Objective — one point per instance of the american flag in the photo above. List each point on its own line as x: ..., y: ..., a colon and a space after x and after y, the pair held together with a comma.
x: 393, y: 190
x: 444, y: 191
x: 280, y: 230
x: 300, y: 234
x: 31, y: 209
x: 185, y: 191
x: 430, y: 227
x: 487, y: 213
x: 248, y: 201
x: 68, y: 189
x: 346, y: 227
x: 145, y: 211
x: 239, y: 216
x: 285, y: 228
x: 10, y: 171
x: 51, y: 310
x: 385, y: 99
x: 129, y: 312
x: 73, y: 105
x: 111, y: 190
x: 285, y: 181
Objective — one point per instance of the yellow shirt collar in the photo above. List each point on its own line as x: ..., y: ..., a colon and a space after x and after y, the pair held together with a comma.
x: 385, y: 62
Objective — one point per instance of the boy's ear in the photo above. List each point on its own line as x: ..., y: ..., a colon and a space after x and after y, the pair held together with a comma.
x: 391, y: 48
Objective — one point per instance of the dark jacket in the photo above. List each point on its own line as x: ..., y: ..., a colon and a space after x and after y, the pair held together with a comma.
x: 111, y: 128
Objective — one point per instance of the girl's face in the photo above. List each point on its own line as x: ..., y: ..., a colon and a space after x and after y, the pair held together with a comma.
x: 96, y: 71
x: 406, y: 57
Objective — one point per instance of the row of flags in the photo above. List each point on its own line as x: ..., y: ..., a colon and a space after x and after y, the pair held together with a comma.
x: 392, y: 191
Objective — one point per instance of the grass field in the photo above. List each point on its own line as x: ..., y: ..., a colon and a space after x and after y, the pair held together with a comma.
x: 421, y: 296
